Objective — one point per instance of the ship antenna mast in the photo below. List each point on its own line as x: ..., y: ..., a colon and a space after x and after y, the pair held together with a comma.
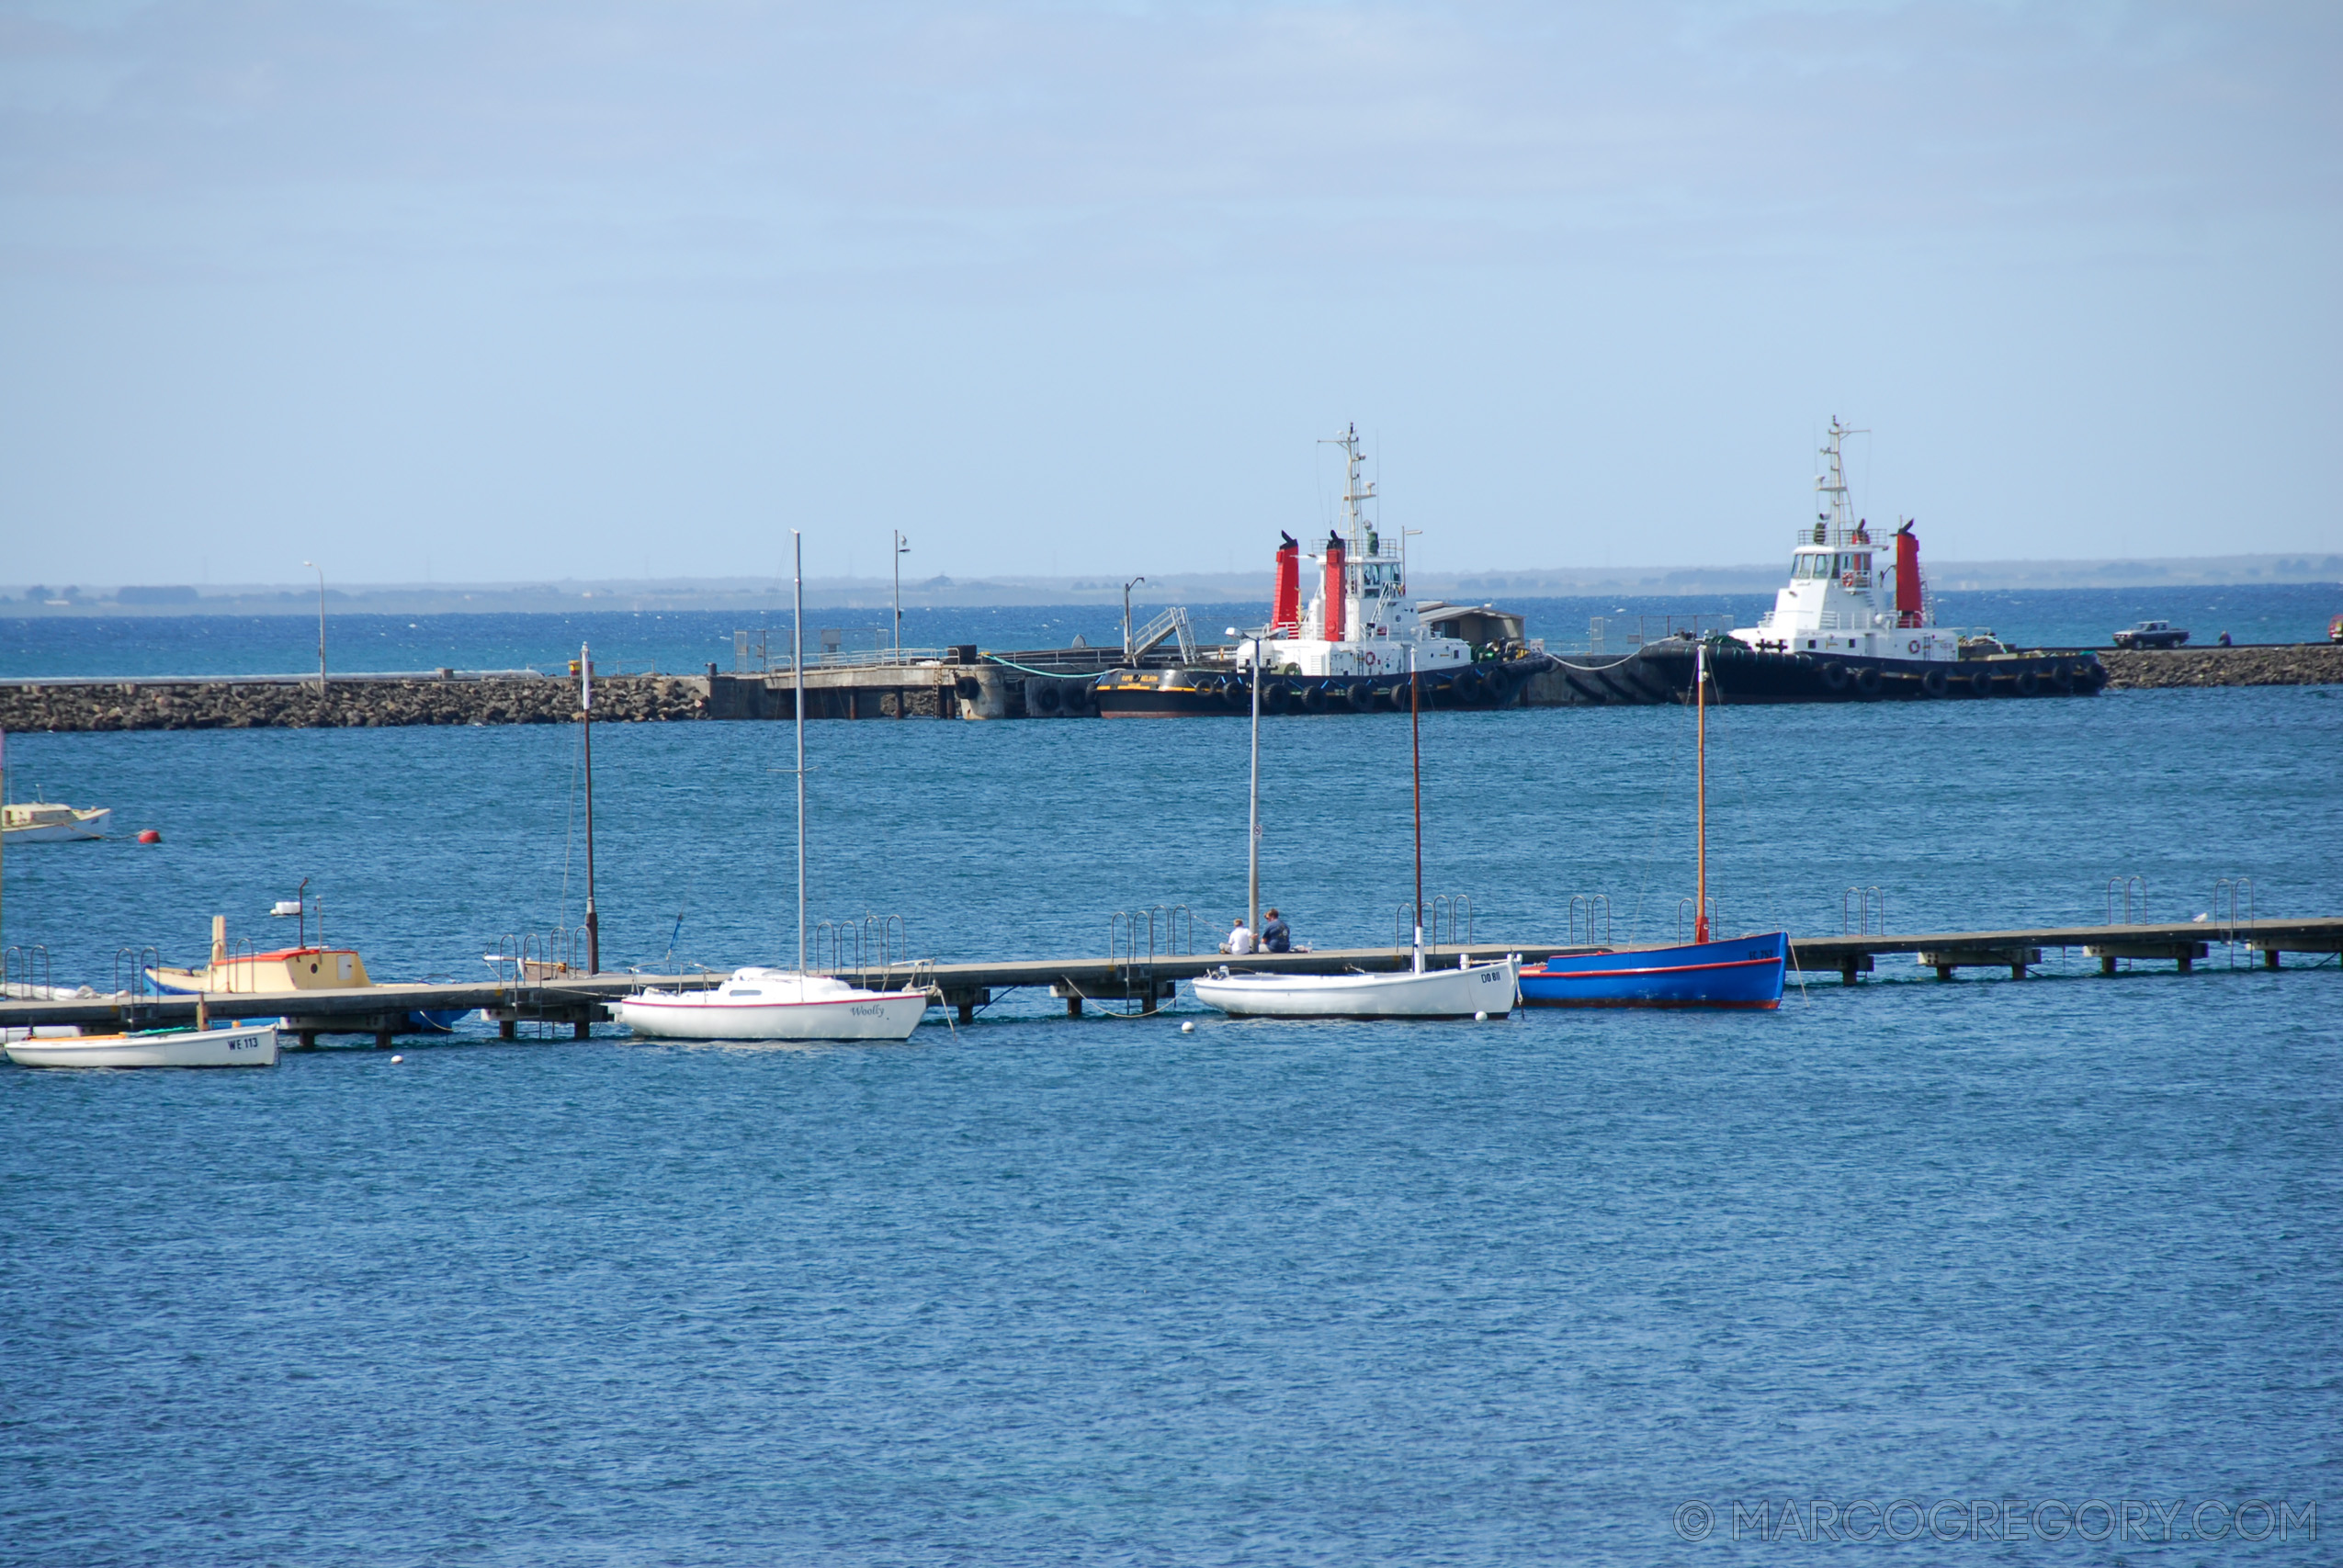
x: 1831, y: 484
x: 1355, y: 493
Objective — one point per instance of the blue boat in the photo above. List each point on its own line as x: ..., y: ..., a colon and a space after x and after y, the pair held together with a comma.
x: 1740, y: 972
x: 1745, y: 972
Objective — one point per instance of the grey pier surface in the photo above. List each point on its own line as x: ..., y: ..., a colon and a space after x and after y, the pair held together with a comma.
x: 581, y: 1000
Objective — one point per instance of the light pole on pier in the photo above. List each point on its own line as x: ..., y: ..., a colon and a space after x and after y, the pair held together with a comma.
x: 321, y: 623
x: 1127, y: 616
x: 903, y: 548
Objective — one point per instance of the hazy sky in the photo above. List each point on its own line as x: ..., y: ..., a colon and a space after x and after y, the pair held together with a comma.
x: 480, y: 291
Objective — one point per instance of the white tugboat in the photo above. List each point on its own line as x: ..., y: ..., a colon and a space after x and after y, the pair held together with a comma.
x: 1349, y: 648
x: 1855, y: 623
x: 1851, y: 595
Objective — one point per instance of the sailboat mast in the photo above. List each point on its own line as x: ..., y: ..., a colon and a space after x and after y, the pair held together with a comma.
x: 1252, y: 808
x: 1415, y: 766
x: 585, y: 709
x: 1699, y: 706
x: 798, y: 708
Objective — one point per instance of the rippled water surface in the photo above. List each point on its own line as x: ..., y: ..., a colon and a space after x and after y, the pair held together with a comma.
x: 1054, y: 1290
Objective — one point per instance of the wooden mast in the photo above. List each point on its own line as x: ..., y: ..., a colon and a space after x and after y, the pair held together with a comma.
x: 1699, y: 706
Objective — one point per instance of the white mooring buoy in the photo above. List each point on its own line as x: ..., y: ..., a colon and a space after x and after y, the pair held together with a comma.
x: 1480, y: 1018
x: 1187, y: 1029
x: 396, y: 1060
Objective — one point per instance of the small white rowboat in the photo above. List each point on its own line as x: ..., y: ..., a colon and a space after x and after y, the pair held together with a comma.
x: 246, y: 1045
x: 1431, y: 993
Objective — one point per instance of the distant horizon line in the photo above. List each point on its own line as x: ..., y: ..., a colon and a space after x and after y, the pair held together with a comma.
x: 2233, y: 570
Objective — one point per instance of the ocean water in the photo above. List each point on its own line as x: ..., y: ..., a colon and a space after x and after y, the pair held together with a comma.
x: 1045, y: 1291
x: 685, y: 642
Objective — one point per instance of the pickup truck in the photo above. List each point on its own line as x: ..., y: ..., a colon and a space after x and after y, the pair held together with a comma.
x: 2151, y: 634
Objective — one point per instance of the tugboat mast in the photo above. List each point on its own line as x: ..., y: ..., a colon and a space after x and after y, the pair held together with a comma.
x: 1830, y: 523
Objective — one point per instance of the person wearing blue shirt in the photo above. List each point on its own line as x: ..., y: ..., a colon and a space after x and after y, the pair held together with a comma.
x: 1275, y: 935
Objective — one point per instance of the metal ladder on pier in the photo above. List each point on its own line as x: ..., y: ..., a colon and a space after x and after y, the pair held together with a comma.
x: 1171, y: 623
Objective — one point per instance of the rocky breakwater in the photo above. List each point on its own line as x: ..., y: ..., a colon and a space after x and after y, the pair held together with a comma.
x: 2267, y: 664
x: 353, y: 703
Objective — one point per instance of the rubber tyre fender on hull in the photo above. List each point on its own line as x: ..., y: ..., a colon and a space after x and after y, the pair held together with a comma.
x: 1314, y: 698
x: 1981, y: 683
x: 2029, y: 683
x: 1275, y: 697
x: 1238, y: 694
x: 1867, y: 682
x: 1834, y: 676
x: 1936, y: 683
x: 1043, y: 697
x: 1362, y: 697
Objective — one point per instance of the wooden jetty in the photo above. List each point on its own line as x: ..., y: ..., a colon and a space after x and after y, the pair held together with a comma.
x: 581, y: 1000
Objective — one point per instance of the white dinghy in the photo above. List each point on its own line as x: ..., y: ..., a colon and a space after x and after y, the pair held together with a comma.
x: 1469, y: 990
x: 1428, y: 993
x: 246, y: 1045
x: 773, y: 1004
x: 780, y: 1004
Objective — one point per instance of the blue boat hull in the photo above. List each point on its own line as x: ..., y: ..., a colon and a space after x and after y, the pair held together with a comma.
x: 1746, y: 972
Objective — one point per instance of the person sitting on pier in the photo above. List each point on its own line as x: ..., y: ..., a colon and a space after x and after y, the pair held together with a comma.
x: 1275, y: 935
x: 1241, y: 937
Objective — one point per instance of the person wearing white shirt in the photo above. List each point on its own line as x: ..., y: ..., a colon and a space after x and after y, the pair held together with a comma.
x: 1240, y: 939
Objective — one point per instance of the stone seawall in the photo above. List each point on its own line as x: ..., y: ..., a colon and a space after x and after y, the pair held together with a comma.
x: 256, y: 704
x: 2276, y: 664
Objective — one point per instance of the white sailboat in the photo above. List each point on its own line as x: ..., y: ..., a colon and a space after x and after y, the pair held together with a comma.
x: 780, y: 1004
x: 1469, y: 990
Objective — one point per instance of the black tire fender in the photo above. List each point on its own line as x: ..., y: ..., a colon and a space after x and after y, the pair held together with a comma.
x: 1044, y: 697
x: 2029, y: 683
x: 1981, y: 683
x: 1867, y: 681
x: 1936, y: 683
x: 1834, y: 676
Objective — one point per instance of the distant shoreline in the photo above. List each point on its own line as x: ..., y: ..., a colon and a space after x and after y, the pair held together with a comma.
x: 757, y: 594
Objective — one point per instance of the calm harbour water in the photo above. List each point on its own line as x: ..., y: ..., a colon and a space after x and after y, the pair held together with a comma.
x: 687, y: 641
x: 1046, y: 1290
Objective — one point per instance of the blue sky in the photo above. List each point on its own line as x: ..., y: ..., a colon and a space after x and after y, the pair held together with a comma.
x: 491, y: 291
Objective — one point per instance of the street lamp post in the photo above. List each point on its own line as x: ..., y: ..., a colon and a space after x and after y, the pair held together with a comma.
x: 1127, y: 616
x: 903, y: 548
x: 321, y: 623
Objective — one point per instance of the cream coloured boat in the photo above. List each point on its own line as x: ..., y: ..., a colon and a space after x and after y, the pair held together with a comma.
x: 244, y: 1046
x: 47, y: 821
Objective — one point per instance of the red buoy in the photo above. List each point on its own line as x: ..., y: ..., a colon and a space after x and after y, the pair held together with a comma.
x: 149, y: 835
